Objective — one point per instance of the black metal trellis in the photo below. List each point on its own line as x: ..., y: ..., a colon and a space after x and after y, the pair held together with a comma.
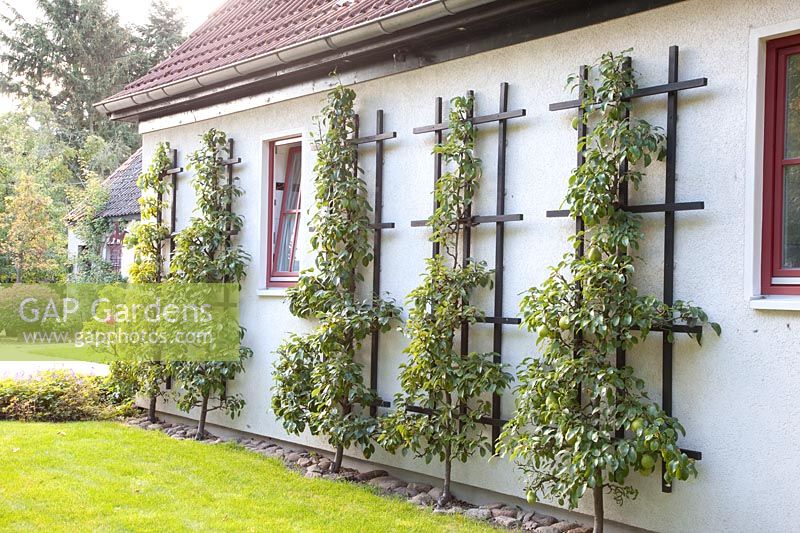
x: 669, y: 208
x: 378, y: 226
x: 499, y: 219
x: 172, y: 173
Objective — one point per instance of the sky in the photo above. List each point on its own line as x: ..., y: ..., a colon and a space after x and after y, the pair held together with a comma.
x: 194, y: 12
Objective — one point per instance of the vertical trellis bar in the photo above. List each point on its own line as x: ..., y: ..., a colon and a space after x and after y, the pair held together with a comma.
x: 378, y: 227
x: 376, y: 252
x: 669, y: 239
x: 173, y: 174
x: 437, y: 163
x: 173, y: 210
x: 499, y: 248
x: 623, y: 200
x: 466, y: 252
x: 579, y: 226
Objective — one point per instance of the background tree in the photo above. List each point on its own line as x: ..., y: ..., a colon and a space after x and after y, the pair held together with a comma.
x: 78, y: 54
x: 451, y: 387
x: 319, y: 384
x: 573, y: 400
x: 29, y: 146
x: 156, y: 39
x: 31, y: 240
x: 204, y: 253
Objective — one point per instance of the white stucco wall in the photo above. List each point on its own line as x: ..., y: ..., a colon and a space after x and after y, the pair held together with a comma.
x: 737, y: 396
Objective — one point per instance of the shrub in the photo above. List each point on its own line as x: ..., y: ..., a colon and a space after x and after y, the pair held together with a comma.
x: 60, y: 396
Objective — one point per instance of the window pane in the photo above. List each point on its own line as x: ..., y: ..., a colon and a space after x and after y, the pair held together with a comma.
x: 792, y: 140
x: 292, y: 184
x: 286, y: 244
x: 791, y: 217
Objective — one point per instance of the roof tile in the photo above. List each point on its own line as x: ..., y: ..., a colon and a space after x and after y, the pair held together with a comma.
x: 243, y: 29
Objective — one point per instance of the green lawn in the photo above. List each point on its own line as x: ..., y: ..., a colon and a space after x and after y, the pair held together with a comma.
x: 103, y: 476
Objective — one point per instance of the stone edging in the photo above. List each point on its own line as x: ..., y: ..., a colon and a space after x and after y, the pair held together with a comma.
x: 314, y: 465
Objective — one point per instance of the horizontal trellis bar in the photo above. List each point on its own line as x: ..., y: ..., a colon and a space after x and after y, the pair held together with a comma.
x: 498, y: 320
x: 498, y: 422
x: 477, y: 219
x: 692, y: 454
x: 231, y: 161
x: 645, y: 208
x: 374, y: 138
x: 644, y: 91
x: 677, y: 328
x: 484, y: 119
x: 176, y: 170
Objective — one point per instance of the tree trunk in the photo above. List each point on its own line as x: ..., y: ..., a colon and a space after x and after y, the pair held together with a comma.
x: 337, y: 459
x: 201, y: 424
x: 447, y: 496
x: 597, y: 492
x: 347, y: 408
x: 151, y: 411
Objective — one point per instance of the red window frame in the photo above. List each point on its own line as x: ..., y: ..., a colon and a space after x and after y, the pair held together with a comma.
x: 778, y: 51
x: 276, y: 278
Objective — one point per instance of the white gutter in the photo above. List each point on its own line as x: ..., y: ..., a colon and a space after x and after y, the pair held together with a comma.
x: 333, y: 41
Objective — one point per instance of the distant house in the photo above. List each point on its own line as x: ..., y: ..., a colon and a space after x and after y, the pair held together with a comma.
x: 259, y: 69
x: 122, y: 208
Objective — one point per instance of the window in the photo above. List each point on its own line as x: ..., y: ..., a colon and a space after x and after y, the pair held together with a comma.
x: 114, y: 248
x: 780, y: 257
x: 283, y: 265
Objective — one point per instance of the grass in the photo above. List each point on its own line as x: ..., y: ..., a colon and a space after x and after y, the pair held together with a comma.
x: 103, y: 476
x: 12, y: 349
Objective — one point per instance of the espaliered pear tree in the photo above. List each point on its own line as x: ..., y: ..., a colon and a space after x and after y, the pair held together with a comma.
x: 572, y: 401
x: 205, y: 253
x: 319, y: 384
x: 445, y: 393
x: 147, y: 373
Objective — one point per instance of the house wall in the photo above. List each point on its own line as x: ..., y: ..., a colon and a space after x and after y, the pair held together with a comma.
x: 74, y: 243
x: 736, y: 396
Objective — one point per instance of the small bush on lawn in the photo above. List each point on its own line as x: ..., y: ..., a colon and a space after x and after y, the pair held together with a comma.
x: 60, y: 396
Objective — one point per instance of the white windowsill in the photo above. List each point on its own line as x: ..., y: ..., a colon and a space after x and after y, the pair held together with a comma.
x: 776, y: 302
x: 276, y: 292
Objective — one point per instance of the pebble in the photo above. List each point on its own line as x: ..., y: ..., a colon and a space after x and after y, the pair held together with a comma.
x: 505, y: 511
x: 293, y: 457
x: 478, y: 513
x: 371, y: 474
x: 435, y: 493
x: 420, y: 487
x: 563, y: 527
x: 506, y: 521
x: 386, y: 483
x: 544, y: 520
x: 423, y: 498
x: 546, y: 529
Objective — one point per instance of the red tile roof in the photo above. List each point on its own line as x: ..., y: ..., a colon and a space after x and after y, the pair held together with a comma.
x: 242, y: 29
